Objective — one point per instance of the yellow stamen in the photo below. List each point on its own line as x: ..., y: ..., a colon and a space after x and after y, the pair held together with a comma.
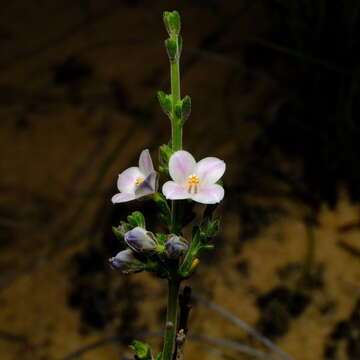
x: 139, y: 181
x: 193, y: 182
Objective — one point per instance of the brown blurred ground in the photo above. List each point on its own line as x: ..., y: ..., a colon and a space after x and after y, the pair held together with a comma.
x: 77, y: 104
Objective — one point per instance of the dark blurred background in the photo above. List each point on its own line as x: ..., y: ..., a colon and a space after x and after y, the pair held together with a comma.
x: 275, y: 92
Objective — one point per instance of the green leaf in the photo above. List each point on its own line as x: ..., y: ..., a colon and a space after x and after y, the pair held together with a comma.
x: 165, y: 219
x: 118, y: 232
x: 162, y: 203
x: 165, y: 153
x: 161, y: 238
x: 207, y: 247
x: 185, y: 108
x: 180, y: 44
x: 136, y: 219
x: 165, y: 212
x: 210, y: 228
x: 220, y: 182
x: 142, y: 350
x: 165, y: 101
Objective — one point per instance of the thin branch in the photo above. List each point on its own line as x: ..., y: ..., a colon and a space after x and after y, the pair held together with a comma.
x: 185, y: 307
x: 243, y: 325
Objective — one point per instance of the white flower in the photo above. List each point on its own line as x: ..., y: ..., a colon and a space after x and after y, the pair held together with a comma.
x: 193, y: 180
x: 136, y: 182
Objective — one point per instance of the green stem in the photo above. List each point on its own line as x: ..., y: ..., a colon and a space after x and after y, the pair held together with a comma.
x: 171, y: 320
x: 176, y: 123
x: 176, y: 143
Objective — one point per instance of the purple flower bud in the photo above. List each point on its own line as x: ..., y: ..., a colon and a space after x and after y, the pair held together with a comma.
x: 140, y: 240
x: 176, y: 246
x: 126, y: 262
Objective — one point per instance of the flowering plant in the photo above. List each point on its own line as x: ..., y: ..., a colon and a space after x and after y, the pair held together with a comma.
x: 169, y: 255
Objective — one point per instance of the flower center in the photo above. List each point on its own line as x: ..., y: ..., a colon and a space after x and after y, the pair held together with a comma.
x: 193, y: 184
x: 139, y: 181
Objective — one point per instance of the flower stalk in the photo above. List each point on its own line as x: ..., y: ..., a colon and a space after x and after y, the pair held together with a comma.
x: 171, y: 320
x: 172, y: 24
x: 176, y: 121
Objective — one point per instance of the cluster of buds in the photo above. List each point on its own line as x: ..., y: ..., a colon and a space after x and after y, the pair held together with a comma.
x: 147, y: 251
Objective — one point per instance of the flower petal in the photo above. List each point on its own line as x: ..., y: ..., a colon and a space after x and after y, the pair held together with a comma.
x: 174, y: 191
x: 122, y: 197
x: 148, y: 186
x: 145, y: 163
x: 127, y: 179
x: 210, y: 170
x: 211, y: 194
x: 181, y: 166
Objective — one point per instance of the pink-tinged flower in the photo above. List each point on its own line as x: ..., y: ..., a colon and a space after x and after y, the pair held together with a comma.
x: 136, y: 182
x: 192, y: 180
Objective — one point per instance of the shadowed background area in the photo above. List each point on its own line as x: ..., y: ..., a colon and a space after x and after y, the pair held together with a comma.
x: 275, y: 92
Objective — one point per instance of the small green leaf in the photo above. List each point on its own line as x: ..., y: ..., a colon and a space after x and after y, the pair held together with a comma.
x: 165, y: 219
x: 161, y: 238
x: 118, y: 232
x: 212, y: 228
x: 165, y: 212
x: 142, y: 350
x: 162, y: 203
x: 207, y: 247
x: 165, y: 102
x: 180, y: 44
x: 165, y: 153
x: 136, y: 219
x: 185, y: 108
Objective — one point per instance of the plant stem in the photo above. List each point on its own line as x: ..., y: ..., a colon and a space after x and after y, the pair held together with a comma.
x: 171, y: 320
x: 176, y: 122
x: 176, y: 143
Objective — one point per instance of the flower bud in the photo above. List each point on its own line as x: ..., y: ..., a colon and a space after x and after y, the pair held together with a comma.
x: 176, y: 246
x: 140, y: 240
x: 126, y: 262
x: 172, y: 22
